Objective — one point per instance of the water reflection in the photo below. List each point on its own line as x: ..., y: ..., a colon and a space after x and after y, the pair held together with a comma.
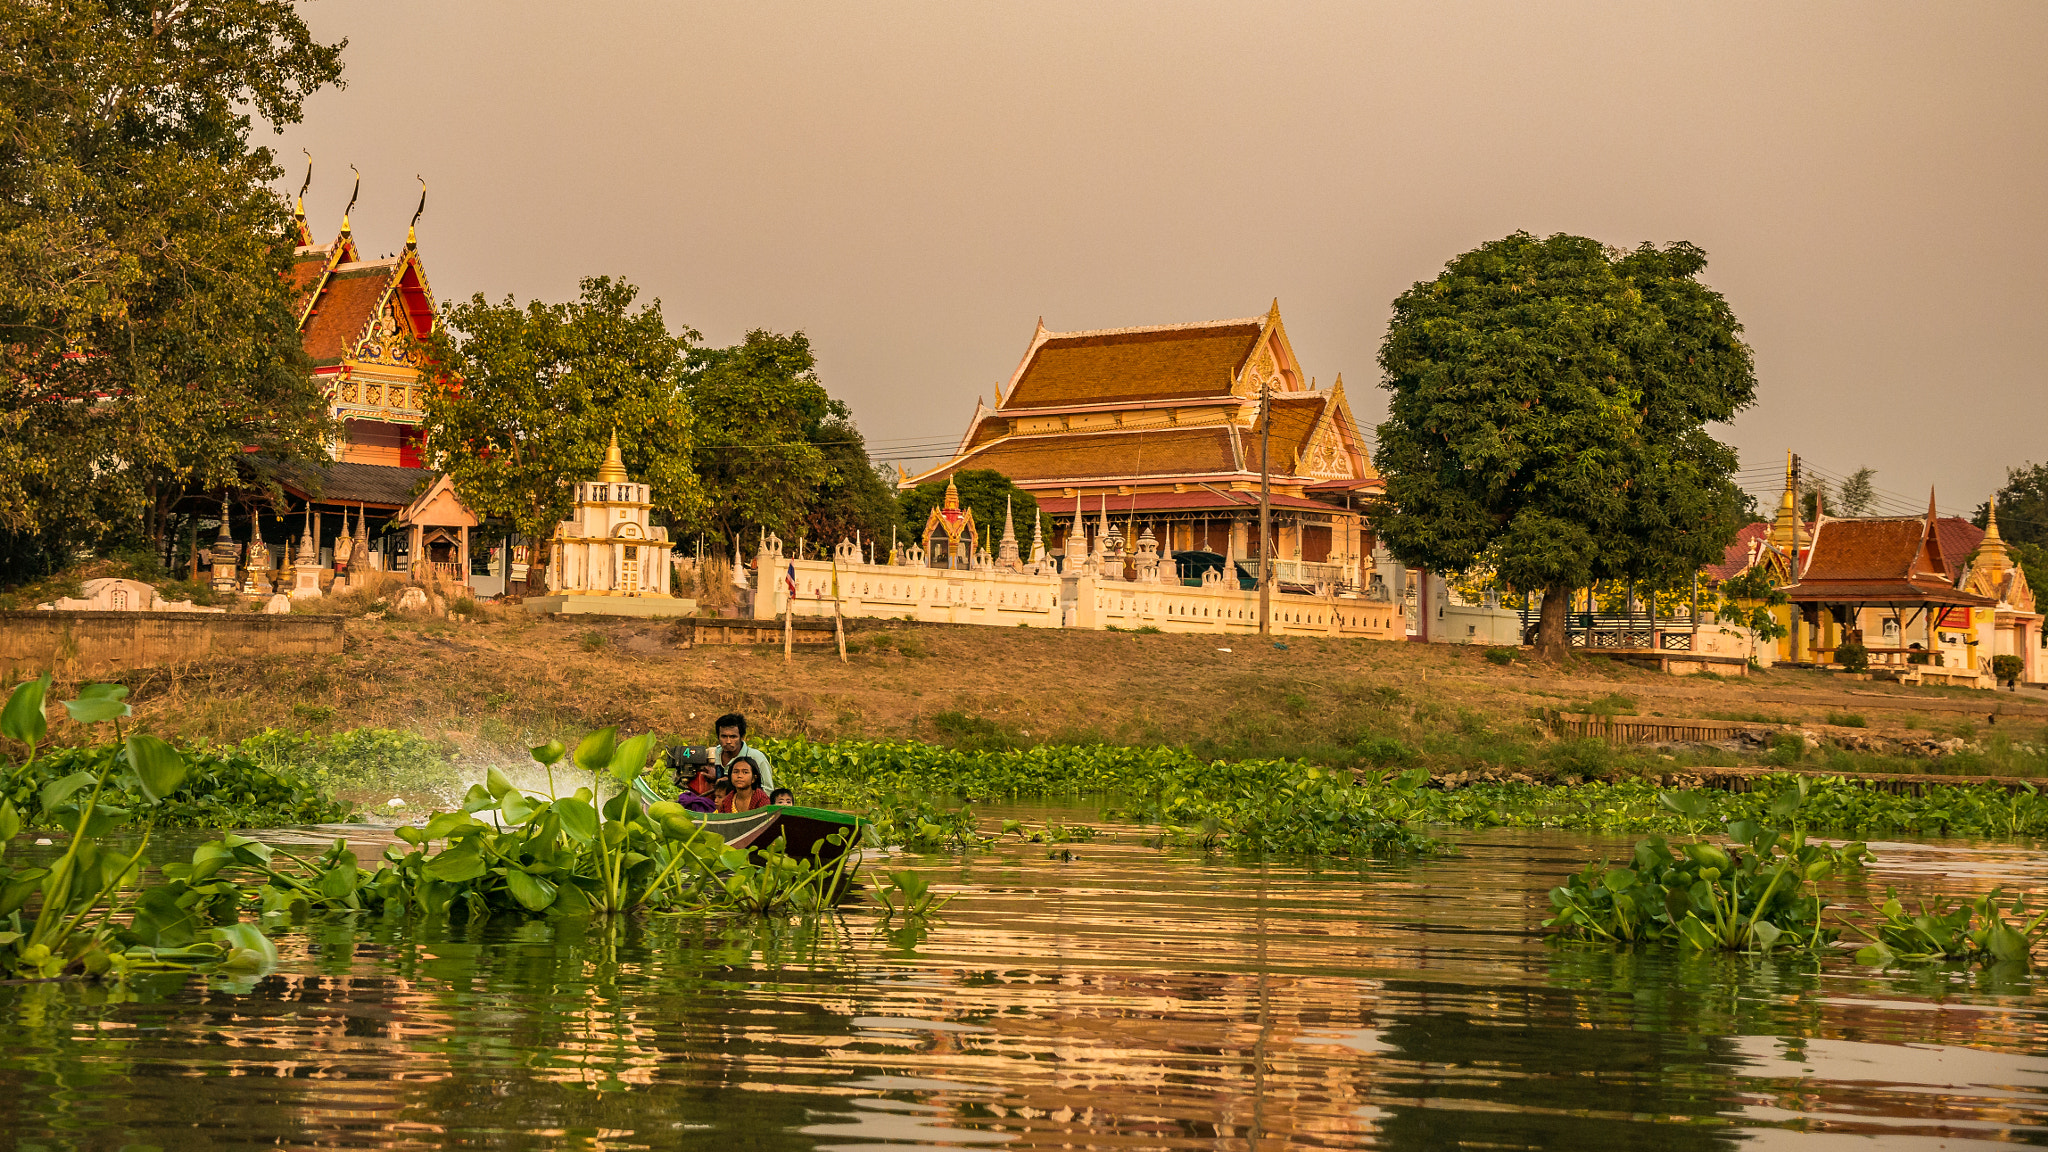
x: 1122, y: 999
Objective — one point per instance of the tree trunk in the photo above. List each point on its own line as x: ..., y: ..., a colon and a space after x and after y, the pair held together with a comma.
x: 1552, y: 643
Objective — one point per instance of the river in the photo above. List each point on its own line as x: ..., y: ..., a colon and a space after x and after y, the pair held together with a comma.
x: 1095, y: 995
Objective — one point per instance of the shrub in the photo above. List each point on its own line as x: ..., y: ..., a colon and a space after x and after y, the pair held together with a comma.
x: 1501, y: 656
x: 1852, y: 656
x: 595, y: 641
x: 2008, y: 668
x: 1847, y: 720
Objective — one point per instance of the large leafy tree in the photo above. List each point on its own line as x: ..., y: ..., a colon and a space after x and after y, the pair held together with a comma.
x: 535, y: 393
x: 764, y: 425
x: 147, y: 335
x: 853, y: 497
x: 984, y: 490
x: 1548, y: 417
x: 2023, y: 521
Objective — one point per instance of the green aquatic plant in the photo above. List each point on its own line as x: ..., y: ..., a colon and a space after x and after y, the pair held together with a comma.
x: 909, y: 895
x: 1758, y: 893
x: 1969, y: 931
x: 58, y: 919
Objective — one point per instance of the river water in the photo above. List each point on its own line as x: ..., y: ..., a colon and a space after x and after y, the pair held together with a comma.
x: 1115, y: 997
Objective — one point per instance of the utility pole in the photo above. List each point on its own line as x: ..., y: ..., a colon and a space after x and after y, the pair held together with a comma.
x: 1265, y: 509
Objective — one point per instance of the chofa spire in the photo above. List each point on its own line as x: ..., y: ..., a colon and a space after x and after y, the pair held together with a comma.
x: 1991, y: 551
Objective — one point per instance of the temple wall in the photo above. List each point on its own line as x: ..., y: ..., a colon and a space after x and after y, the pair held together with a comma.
x: 96, y: 643
x: 1008, y: 599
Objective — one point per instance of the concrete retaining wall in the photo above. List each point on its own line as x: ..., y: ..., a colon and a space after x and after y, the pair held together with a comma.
x: 95, y: 643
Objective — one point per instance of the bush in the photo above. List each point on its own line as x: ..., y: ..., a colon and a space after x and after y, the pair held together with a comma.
x: 1852, y: 656
x: 1847, y: 720
x: 1501, y: 656
x: 2008, y: 668
x: 594, y: 641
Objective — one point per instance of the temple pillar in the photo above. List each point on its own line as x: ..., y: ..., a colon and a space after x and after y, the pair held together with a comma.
x: 1236, y: 548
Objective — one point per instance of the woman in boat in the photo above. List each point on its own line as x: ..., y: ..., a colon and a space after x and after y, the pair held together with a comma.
x: 747, y: 793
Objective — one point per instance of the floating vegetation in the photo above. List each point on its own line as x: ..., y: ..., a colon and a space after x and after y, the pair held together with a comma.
x: 1759, y: 893
x: 1968, y: 931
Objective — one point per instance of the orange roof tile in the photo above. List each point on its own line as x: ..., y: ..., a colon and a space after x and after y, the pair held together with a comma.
x: 1135, y: 365
x: 1294, y: 420
x: 346, y: 309
x: 1162, y: 452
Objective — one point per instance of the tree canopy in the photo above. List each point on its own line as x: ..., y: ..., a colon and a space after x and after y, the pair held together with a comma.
x: 983, y: 490
x: 2023, y: 521
x: 144, y: 308
x: 1547, y: 418
x: 537, y: 391
x: 761, y: 447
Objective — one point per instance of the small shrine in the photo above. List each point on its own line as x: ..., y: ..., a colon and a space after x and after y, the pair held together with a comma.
x: 950, y: 537
x: 606, y: 558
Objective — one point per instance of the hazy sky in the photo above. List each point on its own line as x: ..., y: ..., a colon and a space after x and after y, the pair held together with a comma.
x: 915, y: 184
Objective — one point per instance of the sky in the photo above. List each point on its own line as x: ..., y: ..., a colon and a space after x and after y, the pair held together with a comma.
x: 914, y: 185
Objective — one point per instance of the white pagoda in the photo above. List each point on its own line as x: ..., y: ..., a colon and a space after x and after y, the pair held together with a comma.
x: 606, y: 558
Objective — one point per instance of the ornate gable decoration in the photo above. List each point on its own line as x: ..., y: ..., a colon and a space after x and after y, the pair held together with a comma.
x: 1326, y: 458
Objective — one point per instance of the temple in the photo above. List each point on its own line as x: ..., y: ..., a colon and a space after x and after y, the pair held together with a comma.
x: 1158, y: 430
x: 607, y: 558
x: 361, y: 321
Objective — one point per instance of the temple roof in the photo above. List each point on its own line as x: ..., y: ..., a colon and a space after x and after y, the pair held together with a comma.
x: 1741, y: 552
x: 336, y: 482
x: 348, y: 305
x: 1294, y: 420
x: 1133, y: 365
x: 1203, y: 450
x: 1879, y: 560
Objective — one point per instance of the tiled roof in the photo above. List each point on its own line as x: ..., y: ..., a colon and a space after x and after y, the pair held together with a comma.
x: 1135, y: 365
x: 1958, y: 539
x: 1194, y: 500
x: 1203, y: 450
x: 1864, y: 549
x: 345, y: 309
x: 1870, y: 592
x: 343, y: 483
x: 1294, y: 420
x: 1736, y: 556
x: 305, y: 276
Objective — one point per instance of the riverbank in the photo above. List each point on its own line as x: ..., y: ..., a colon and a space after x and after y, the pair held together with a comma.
x: 486, y: 688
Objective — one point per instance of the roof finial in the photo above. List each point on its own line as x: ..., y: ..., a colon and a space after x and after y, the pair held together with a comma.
x: 952, y: 496
x: 300, y: 211
x: 1932, y: 515
x: 613, y: 470
x: 1991, y: 551
x: 351, y: 199
x: 412, y: 239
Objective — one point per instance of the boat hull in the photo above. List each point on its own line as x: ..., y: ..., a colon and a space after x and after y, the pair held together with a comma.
x: 803, y: 831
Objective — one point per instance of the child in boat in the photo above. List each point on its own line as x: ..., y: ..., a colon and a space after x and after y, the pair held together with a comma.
x: 747, y: 793
x: 782, y: 796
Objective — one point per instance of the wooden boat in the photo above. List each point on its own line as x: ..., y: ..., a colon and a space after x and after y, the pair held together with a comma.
x: 803, y: 831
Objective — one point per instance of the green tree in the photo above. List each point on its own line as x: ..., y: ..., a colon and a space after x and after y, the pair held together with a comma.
x: 536, y: 392
x: 853, y: 496
x: 1857, y: 493
x: 1548, y: 418
x: 984, y: 490
x: 145, y: 318
x: 762, y: 420
x: 2022, y: 507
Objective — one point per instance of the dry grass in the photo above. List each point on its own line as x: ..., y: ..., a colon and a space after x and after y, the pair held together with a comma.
x: 501, y: 680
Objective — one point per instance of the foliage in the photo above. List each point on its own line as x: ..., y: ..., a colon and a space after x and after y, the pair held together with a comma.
x: 541, y: 389
x: 1848, y: 720
x: 1971, y: 931
x: 2008, y: 667
x: 1754, y: 895
x: 147, y: 325
x: 1852, y: 656
x: 983, y: 491
x: 910, y: 895
x: 1747, y: 599
x: 57, y: 920
x: 222, y: 789
x: 1856, y: 495
x: 1500, y: 656
x: 2022, y: 507
x: 852, y: 497
x: 1548, y: 417
x: 761, y: 415
x: 351, y: 758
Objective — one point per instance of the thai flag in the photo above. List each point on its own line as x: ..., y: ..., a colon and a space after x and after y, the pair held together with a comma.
x: 791, y: 579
